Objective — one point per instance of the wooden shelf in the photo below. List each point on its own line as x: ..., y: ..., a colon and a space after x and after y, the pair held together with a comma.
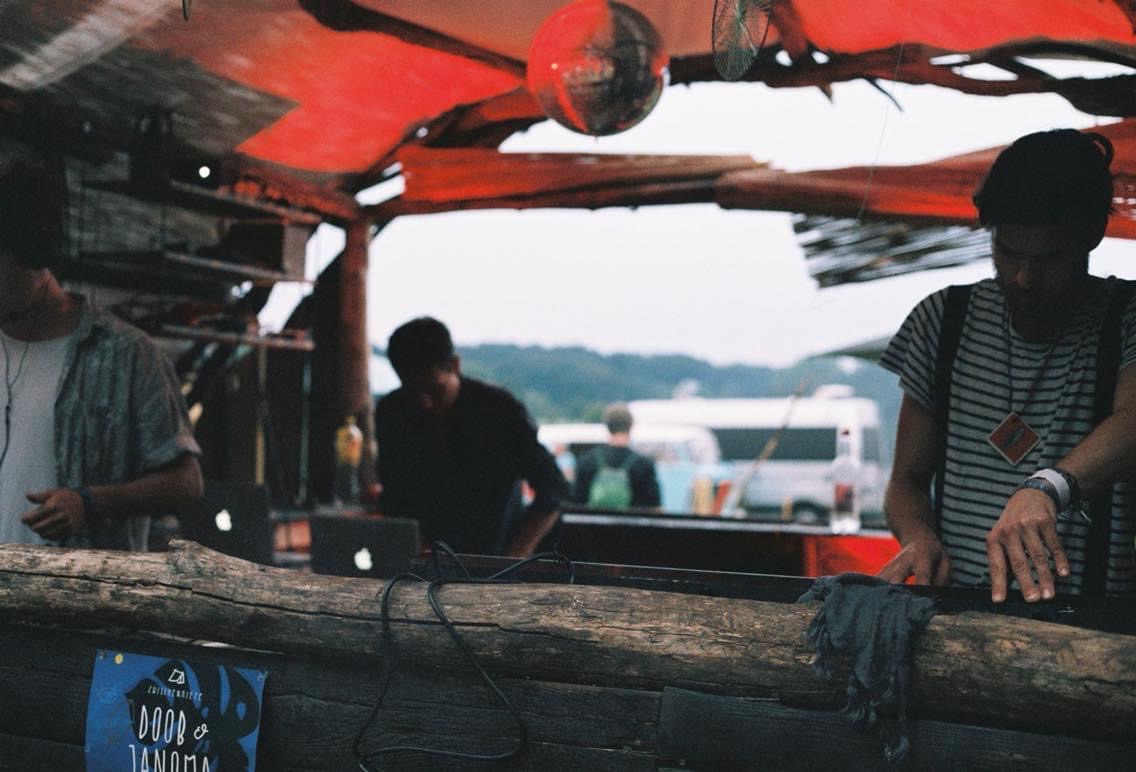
x: 184, y: 332
x: 174, y: 263
x: 187, y: 196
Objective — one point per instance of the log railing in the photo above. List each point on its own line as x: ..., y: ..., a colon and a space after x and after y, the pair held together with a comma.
x: 592, y: 669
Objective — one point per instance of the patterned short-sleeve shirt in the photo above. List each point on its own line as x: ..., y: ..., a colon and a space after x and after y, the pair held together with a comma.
x: 1050, y: 385
x: 119, y: 413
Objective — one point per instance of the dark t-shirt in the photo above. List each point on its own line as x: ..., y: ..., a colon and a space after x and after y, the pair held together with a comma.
x: 641, y: 472
x: 467, y: 494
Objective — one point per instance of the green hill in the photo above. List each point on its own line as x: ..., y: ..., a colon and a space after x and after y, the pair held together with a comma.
x: 574, y: 383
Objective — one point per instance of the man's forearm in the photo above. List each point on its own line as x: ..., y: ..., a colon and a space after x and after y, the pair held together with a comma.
x: 161, y: 490
x: 531, y: 532
x: 1107, y: 455
x: 910, y: 515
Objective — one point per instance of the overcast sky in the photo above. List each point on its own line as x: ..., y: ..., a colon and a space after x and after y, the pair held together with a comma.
x: 726, y: 286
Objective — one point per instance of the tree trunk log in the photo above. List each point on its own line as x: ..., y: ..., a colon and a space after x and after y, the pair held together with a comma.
x: 975, y: 668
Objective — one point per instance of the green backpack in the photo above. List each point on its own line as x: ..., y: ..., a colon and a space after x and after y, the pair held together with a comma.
x: 611, y: 487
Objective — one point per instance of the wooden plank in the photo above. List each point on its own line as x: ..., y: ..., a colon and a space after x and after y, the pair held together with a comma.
x: 21, y: 754
x: 201, y: 199
x: 279, y: 342
x: 969, y: 667
x: 167, y: 261
x: 619, y: 194
x: 472, y: 174
x: 313, y: 709
x: 712, y: 731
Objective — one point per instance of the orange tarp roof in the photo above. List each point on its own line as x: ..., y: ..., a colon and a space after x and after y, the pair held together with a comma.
x: 353, y: 93
x: 939, y: 191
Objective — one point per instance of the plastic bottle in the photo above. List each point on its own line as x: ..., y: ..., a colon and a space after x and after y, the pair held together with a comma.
x: 845, y: 474
x: 348, y: 453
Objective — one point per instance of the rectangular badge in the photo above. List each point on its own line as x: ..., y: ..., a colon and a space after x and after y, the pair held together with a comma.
x: 152, y: 713
x: 1013, y: 438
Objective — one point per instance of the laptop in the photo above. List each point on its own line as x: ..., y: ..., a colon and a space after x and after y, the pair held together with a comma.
x: 362, y: 545
x: 231, y: 517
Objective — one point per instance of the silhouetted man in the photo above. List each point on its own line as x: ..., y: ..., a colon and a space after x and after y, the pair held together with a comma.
x: 453, y: 451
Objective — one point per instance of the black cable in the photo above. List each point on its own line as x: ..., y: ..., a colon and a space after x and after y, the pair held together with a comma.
x: 550, y: 555
x: 441, y: 546
x: 432, y: 588
x: 7, y: 429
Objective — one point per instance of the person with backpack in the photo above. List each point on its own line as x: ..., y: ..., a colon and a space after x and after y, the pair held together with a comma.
x: 614, y: 476
x: 1016, y: 443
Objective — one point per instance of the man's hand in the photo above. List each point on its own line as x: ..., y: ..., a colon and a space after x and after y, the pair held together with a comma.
x: 1024, y: 536
x: 924, y: 558
x: 60, y: 514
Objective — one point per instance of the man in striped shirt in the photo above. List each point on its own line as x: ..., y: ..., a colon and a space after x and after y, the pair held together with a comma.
x: 1017, y: 431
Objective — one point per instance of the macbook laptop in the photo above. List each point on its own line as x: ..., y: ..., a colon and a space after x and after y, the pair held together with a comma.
x: 362, y: 545
x: 231, y: 517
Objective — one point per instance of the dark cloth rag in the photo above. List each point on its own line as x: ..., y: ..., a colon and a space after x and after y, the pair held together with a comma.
x: 872, y: 623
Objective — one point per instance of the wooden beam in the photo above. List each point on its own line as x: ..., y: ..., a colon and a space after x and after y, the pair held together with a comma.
x: 649, y: 194
x: 313, y: 706
x: 969, y: 667
x: 938, y: 192
x: 347, y: 16
x: 913, y: 64
x: 487, y: 123
x: 716, y: 732
x: 440, y: 180
x: 442, y: 175
x: 268, y: 183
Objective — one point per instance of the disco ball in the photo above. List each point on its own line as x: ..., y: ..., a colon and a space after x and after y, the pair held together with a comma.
x: 597, y: 67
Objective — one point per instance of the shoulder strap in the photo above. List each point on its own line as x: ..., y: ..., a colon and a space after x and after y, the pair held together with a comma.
x: 1100, y: 506
x: 950, y: 332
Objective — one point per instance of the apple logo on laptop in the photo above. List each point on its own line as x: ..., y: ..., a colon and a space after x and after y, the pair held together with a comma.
x: 363, y: 560
x: 223, y: 520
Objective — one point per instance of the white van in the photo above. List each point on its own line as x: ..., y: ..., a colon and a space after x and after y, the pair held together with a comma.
x: 794, y: 482
x: 686, y: 457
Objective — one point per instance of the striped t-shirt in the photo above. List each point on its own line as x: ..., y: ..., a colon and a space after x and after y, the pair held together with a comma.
x: 1053, y: 386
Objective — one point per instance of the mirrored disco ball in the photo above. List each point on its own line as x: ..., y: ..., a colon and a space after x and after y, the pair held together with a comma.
x: 597, y: 67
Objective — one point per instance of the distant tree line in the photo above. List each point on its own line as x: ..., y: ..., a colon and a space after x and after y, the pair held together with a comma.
x: 574, y: 383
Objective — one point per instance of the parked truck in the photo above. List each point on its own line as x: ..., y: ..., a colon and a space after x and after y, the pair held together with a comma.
x: 792, y: 481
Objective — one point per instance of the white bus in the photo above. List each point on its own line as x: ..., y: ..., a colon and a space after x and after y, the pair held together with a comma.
x: 794, y: 482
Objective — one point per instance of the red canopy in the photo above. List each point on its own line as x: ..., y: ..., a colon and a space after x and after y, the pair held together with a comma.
x: 331, y: 88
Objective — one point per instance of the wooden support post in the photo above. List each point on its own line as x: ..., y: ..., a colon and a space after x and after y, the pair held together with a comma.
x: 354, y: 346
x: 354, y: 351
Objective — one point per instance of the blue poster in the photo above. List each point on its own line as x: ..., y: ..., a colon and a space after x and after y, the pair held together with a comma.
x: 151, y: 714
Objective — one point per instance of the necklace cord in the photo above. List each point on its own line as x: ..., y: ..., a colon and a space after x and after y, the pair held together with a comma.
x: 11, y: 381
x: 1007, y: 328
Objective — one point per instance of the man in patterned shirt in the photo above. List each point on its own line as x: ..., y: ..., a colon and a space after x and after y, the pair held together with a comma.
x: 94, y: 436
x: 1017, y: 430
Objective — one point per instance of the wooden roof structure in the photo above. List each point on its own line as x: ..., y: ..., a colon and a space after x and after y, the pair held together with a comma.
x: 330, y: 92
x: 289, y: 107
